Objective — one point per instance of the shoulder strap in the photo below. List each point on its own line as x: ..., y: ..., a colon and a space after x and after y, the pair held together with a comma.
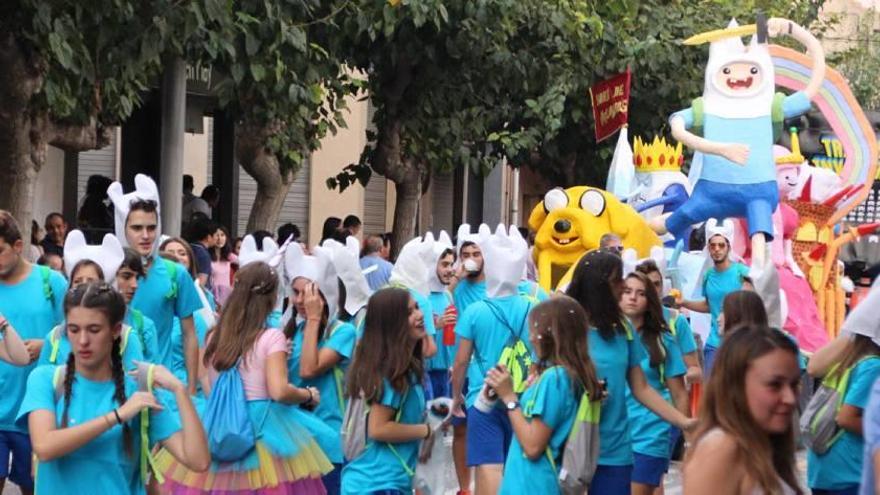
x: 627, y: 326
x: 55, y: 342
x: 126, y: 332
x: 172, y: 276
x: 500, y: 315
x: 58, y: 381
x: 48, y: 292
x: 697, y: 109
x: 673, y: 318
x: 449, y: 298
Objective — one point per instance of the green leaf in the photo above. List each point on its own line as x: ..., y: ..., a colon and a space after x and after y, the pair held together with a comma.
x: 258, y: 71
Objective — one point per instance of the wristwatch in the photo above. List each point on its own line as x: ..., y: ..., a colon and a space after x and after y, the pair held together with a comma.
x: 512, y: 405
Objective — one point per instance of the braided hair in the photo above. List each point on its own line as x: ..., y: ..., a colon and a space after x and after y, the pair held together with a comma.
x: 102, y: 297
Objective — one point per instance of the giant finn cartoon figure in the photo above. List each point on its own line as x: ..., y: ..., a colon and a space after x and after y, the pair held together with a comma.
x: 732, y: 130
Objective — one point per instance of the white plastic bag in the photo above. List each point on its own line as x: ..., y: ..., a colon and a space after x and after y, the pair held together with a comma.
x: 437, y: 475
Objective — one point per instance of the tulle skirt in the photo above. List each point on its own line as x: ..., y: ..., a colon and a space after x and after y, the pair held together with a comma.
x: 287, y: 460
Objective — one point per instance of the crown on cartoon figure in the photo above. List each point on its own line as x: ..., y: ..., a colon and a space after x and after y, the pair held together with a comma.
x: 657, y: 156
x: 795, y: 157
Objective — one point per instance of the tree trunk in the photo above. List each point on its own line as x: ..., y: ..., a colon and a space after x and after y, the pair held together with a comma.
x: 409, y: 191
x: 25, y: 133
x: 261, y: 164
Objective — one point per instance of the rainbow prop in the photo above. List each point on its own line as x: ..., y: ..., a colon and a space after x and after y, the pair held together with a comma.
x: 847, y: 120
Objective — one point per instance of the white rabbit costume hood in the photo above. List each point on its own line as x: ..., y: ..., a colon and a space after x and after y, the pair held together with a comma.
x: 411, y: 269
x: 144, y: 190
x: 317, y: 268
x: 504, y: 261
x: 442, y: 243
x: 109, y: 255
x: 346, y: 262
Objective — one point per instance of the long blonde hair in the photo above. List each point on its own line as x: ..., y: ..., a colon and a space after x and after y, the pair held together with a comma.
x: 766, y: 457
x: 244, y: 317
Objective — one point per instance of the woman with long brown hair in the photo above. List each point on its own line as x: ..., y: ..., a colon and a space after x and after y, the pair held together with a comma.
x: 742, y: 308
x: 564, y: 372
x: 286, y: 457
x: 387, y: 369
x: 664, y: 369
x: 745, y: 442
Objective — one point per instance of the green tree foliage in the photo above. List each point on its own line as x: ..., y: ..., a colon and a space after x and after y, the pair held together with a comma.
x: 860, y: 63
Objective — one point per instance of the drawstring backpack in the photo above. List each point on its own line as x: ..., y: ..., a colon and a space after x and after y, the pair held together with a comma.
x: 231, y: 434
x: 354, y: 430
x: 515, y: 355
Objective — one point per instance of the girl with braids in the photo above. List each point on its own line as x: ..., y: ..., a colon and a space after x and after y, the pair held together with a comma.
x: 387, y: 369
x: 617, y: 354
x: 745, y: 443
x: 664, y: 368
x: 84, y: 417
x: 286, y: 458
x: 549, y: 406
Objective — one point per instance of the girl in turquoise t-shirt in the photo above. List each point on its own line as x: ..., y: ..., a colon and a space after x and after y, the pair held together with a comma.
x: 597, y: 284
x: 839, y: 470
x: 322, y: 345
x: 542, y: 422
x: 387, y: 369
x: 664, y: 368
x: 126, y: 283
x: 85, y: 417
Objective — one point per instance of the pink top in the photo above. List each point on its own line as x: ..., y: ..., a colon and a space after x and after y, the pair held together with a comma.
x: 253, y: 367
x: 221, y: 274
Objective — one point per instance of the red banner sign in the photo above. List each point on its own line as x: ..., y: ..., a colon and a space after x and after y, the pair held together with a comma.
x: 610, y: 104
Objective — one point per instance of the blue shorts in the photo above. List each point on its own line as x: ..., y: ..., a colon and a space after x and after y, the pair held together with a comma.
x: 488, y: 436
x: 708, y: 361
x: 754, y: 202
x: 333, y: 480
x: 852, y: 490
x: 440, y: 385
x: 611, y: 480
x: 19, y: 446
x: 649, y: 470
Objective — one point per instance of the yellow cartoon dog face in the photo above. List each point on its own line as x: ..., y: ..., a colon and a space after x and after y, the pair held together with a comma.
x: 570, y: 222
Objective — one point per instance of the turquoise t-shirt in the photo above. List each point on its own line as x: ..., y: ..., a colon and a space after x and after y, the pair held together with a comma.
x: 681, y: 328
x: 161, y: 301
x: 378, y: 468
x: 147, y: 330
x: 445, y: 353
x: 650, y: 434
x: 32, y: 312
x: 532, y: 290
x: 613, y: 358
x: 130, y: 353
x: 716, y: 286
x: 341, y: 338
x: 756, y: 132
x: 871, y: 425
x: 841, y: 466
x: 552, y: 399
x: 467, y: 292
x: 481, y: 325
x: 100, y: 466
x: 178, y: 360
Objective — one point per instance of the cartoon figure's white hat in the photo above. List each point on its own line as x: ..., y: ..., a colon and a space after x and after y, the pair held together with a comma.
x: 144, y: 190
x: 631, y: 259
x: 318, y: 268
x: 465, y: 235
x: 442, y: 243
x: 346, y: 262
x: 109, y: 255
x: 725, y: 229
x: 863, y: 320
x: 504, y: 254
x: 411, y: 269
x: 249, y: 252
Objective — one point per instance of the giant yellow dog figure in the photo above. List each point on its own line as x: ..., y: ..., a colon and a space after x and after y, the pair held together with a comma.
x: 570, y: 222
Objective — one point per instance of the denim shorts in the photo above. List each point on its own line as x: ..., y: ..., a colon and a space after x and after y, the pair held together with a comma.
x: 488, y: 436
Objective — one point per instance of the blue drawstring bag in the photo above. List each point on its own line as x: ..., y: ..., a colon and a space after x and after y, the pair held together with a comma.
x: 227, y: 421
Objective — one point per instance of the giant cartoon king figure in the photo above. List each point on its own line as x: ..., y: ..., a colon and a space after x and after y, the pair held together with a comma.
x: 732, y: 130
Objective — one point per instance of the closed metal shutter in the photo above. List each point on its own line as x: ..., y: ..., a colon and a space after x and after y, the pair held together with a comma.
x: 296, y: 204
x: 95, y: 162
x: 442, y: 198
x: 209, y: 131
x: 374, y: 205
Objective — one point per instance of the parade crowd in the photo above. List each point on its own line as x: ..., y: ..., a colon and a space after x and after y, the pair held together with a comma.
x: 146, y: 364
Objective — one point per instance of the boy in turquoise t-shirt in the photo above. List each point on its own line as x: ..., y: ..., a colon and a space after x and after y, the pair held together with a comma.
x: 32, y: 300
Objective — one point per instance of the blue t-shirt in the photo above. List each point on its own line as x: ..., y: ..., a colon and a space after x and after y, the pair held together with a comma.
x: 378, y: 468
x: 841, y: 466
x: 378, y: 277
x: 178, y: 359
x: 533, y: 291
x: 31, y: 312
x: 613, y: 359
x: 445, y: 353
x: 100, y: 466
x: 871, y: 430
x: 553, y: 400
x: 340, y: 337
x: 716, y: 286
x: 650, y: 433
x: 482, y: 324
x: 203, y: 262
x: 161, y: 301
x: 147, y: 333
x: 682, y: 331
x: 755, y: 132
x: 57, y: 337
x: 467, y: 293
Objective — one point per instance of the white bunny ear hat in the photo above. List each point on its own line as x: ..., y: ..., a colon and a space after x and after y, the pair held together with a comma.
x: 412, y: 267
x: 724, y: 229
x: 109, y: 255
x: 249, y: 252
x: 442, y: 243
x: 144, y: 190
x: 346, y: 261
x: 317, y: 268
x: 504, y: 254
